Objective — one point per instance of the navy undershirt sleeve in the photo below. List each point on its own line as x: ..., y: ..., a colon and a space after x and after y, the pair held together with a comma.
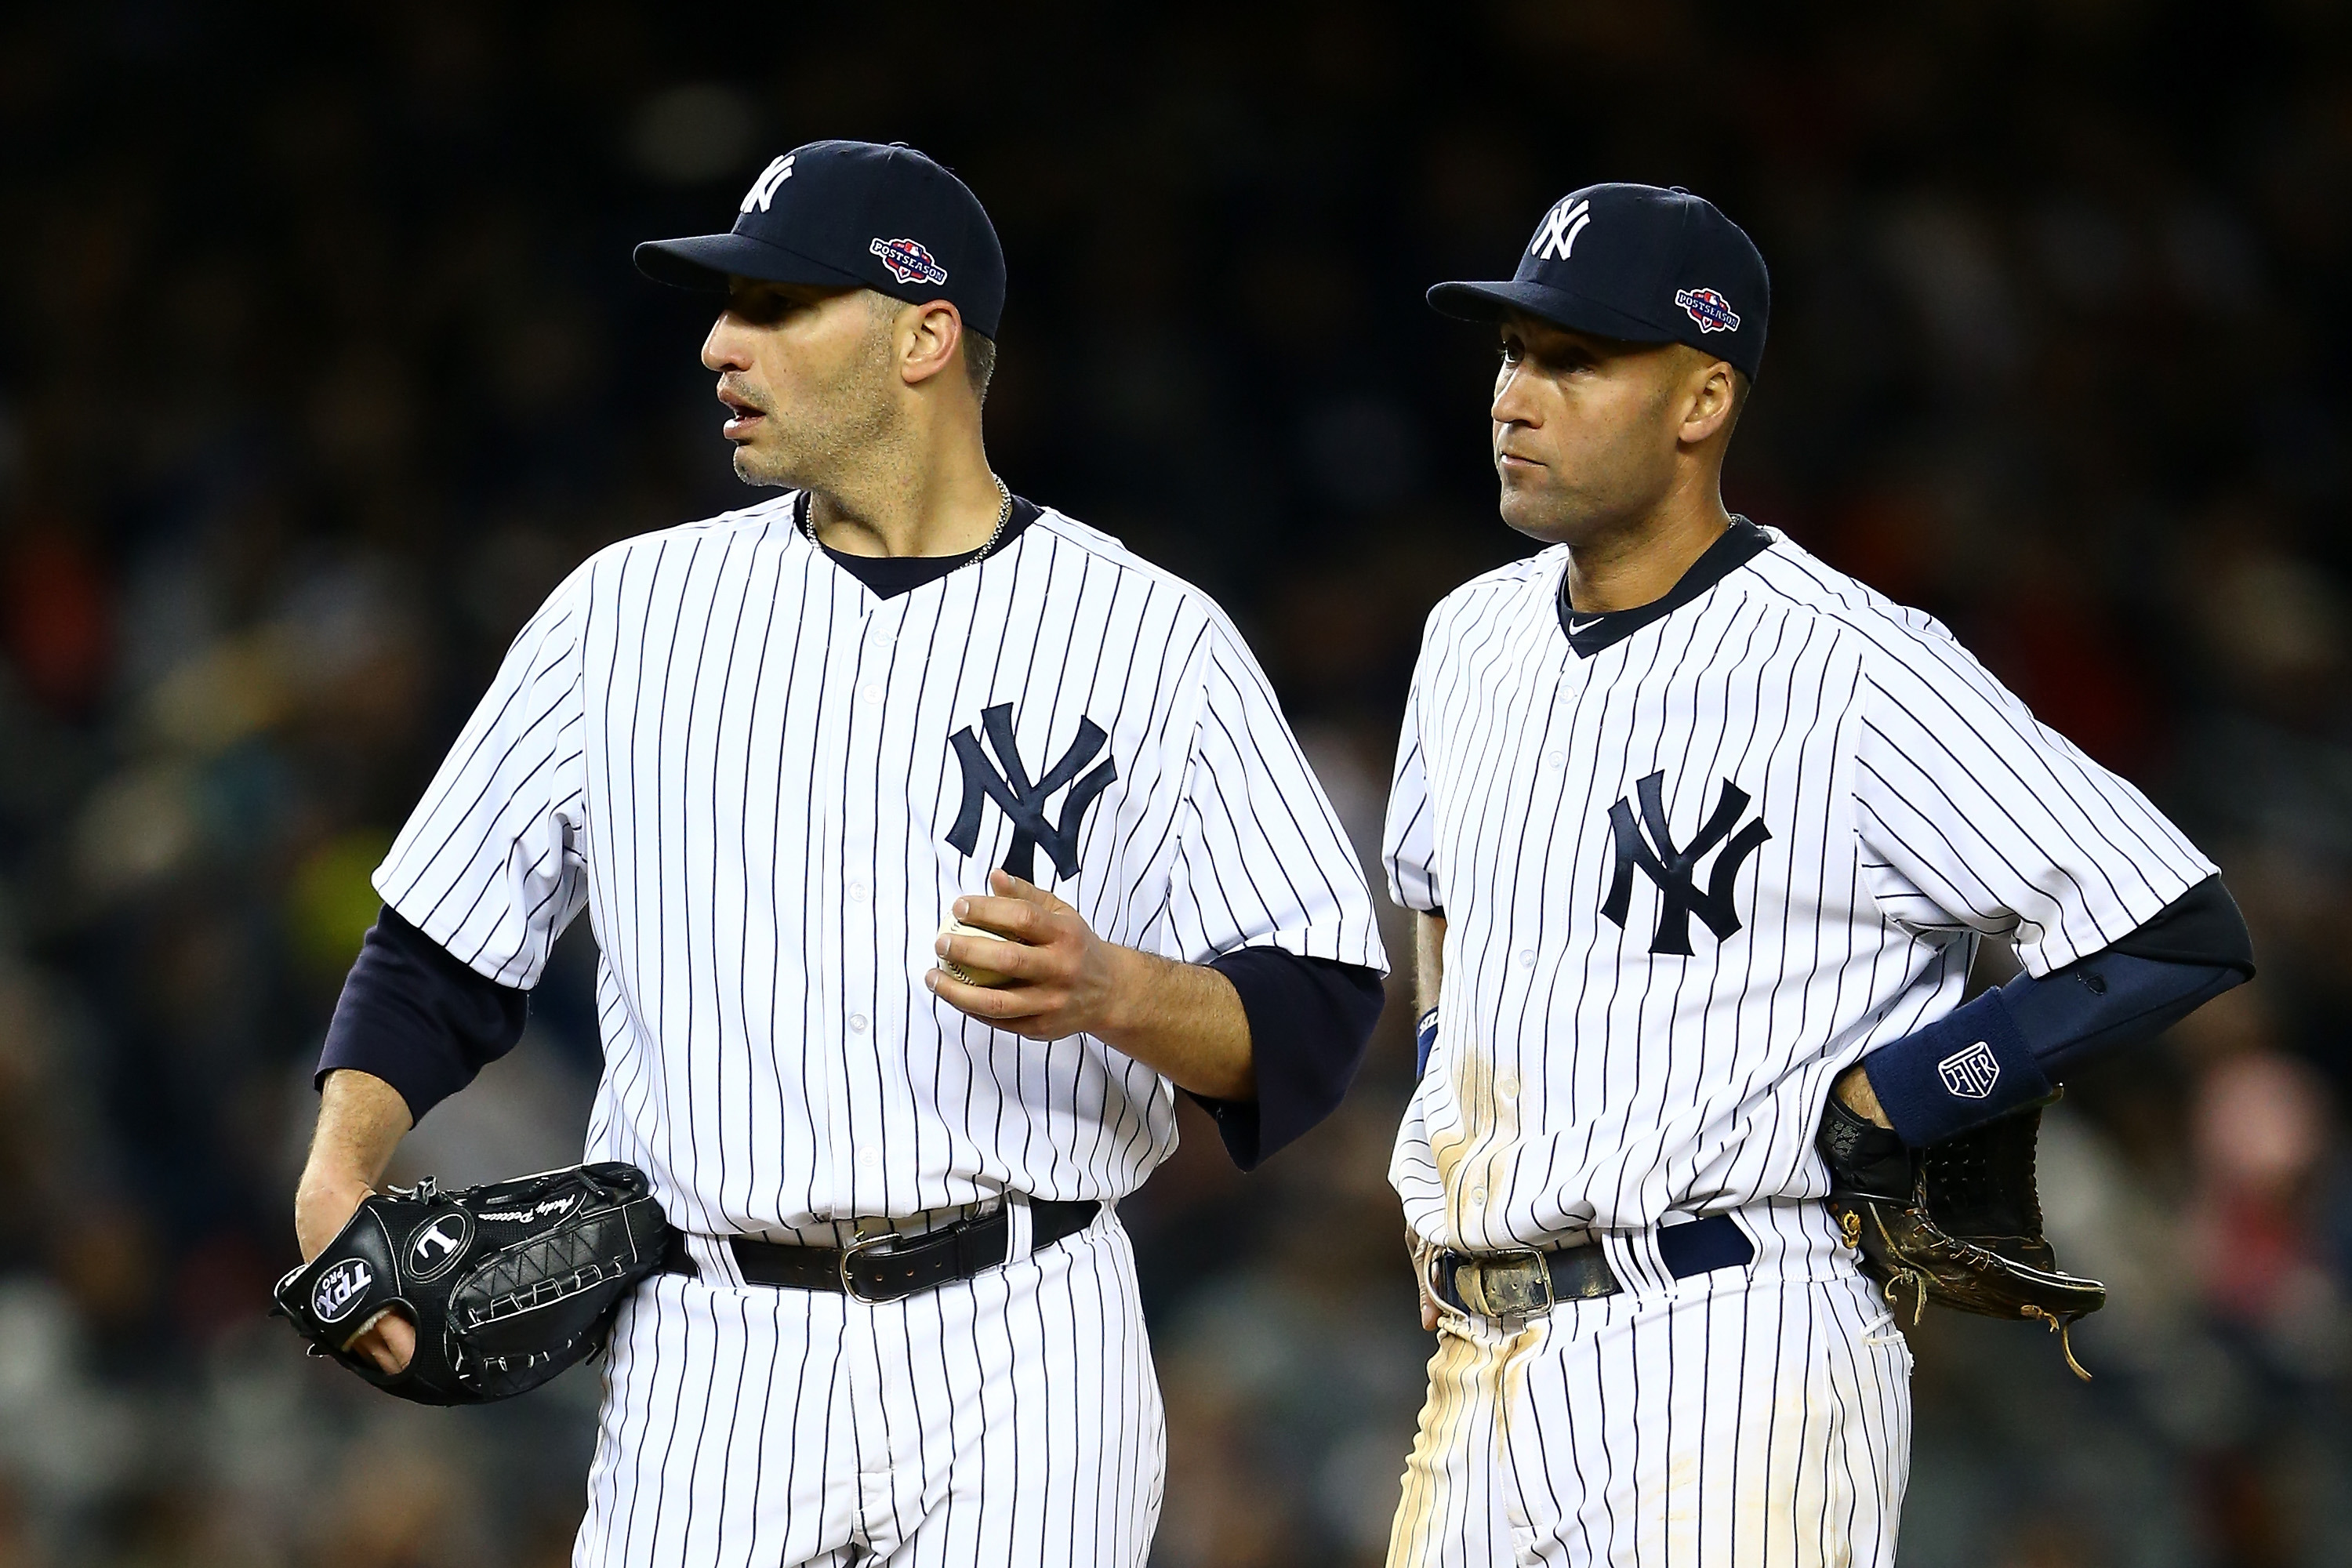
x: 2009, y: 1048
x: 414, y: 1016
x: 1309, y: 1021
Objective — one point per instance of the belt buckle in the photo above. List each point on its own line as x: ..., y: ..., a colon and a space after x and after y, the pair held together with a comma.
x: 858, y: 1245
x: 1505, y: 1285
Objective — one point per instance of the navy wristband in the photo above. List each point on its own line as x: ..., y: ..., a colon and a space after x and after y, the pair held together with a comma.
x: 1967, y: 1067
x: 1424, y: 1040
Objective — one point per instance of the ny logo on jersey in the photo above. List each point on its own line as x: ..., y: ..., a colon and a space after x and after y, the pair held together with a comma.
x: 1650, y: 845
x: 1024, y: 802
x: 1556, y: 236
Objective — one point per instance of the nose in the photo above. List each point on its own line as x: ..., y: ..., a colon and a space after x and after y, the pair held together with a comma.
x: 1511, y: 405
x: 729, y: 346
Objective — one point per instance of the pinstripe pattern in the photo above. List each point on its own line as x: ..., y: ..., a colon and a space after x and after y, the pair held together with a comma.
x: 738, y: 760
x: 1012, y: 1419
x: 1581, y: 1081
x: 1759, y: 1418
x: 1591, y: 1078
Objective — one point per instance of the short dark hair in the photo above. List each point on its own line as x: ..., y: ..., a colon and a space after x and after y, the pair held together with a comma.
x: 979, y: 362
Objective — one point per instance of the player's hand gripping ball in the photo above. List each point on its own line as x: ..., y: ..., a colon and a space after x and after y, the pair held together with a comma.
x: 971, y: 973
x: 1053, y: 976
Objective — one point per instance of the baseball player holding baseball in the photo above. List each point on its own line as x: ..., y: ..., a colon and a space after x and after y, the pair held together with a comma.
x: 1698, y: 830
x: 769, y: 754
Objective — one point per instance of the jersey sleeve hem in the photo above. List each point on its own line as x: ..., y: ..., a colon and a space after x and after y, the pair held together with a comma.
x: 1417, y: 893
x: 2056, y: 948
x: 486, y: 866
x: 1261, y: 860
x: 1336, y: 944
x: 1968, y: 805
x: 443, y: 930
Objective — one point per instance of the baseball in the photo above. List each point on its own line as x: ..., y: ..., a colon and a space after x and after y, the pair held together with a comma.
x: 968, y: 973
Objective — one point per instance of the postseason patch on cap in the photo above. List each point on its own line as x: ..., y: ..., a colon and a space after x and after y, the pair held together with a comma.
x: 1710, y: 310
x: 908, y: 262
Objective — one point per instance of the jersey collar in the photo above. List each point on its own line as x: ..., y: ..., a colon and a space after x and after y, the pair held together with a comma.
x: 889, y: 576
x: 1588, y: 634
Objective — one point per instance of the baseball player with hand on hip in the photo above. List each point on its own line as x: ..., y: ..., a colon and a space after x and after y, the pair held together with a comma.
x: 771, y: 754
x: 1703, y: 836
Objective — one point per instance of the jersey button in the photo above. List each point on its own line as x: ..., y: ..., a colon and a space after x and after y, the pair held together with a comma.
x: 873, y: 695
x: 857, y: 892
x: 1557, y: 760
x: 857, y: 1023
x: 1478, y: 1198
x: 1526, y: 958
x: 1508, y: 1085
x: 870, y: 1158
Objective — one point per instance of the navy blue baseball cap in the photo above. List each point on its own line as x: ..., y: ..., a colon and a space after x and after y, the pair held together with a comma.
x: 1639, y: 264
x: 852, y: 215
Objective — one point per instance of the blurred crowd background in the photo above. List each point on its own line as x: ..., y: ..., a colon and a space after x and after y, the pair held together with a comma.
x: 322, y: 359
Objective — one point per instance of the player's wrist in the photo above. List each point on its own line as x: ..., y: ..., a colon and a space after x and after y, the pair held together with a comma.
x: 324, y: 1203
x: 1119, y: 1008
x: 1851, y: 1090
x: 325, y: 1187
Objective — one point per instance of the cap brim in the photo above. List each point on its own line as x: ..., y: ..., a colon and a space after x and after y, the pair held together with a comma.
x: 1491, y: 301
x: 705, y: 261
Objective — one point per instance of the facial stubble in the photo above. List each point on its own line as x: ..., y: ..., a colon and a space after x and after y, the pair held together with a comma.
x: 841, y: 423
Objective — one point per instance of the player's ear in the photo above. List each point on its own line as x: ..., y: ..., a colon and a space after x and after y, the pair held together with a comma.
x: 1712, y: 402
x: 928, y: 338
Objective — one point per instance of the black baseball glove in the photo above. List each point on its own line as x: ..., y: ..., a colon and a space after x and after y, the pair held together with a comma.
x: 506, y: 1284
x: 1958, y: 1223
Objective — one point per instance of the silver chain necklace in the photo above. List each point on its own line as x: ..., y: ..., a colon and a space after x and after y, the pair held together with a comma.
x: 1003, y: 516
x: 996, y: 536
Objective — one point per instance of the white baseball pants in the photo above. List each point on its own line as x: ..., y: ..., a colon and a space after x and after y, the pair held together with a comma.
x: 1750, y: 1417
x: 1010, y: 1419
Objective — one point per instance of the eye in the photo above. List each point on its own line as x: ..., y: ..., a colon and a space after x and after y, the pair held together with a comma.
x: 1513, y: 351
x: 759, y: 307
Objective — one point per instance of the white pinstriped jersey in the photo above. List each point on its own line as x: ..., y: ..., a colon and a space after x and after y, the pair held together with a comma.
x: 1691, y: 877
x: 767, y: 784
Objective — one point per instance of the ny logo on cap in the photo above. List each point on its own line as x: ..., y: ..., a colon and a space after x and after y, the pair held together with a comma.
x: 1556, y: 235
x: 1650, y: 849
x: 1024, y: 802
x: 763, y: 189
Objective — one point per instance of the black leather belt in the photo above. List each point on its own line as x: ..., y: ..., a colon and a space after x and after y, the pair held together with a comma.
x: 891, y: 1268
x: 1523, y: 1284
